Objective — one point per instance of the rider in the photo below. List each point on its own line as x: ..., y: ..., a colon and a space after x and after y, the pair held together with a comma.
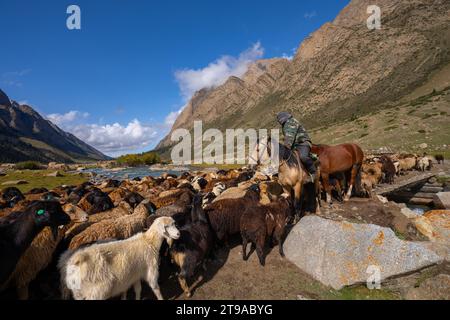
x: 296, y: 137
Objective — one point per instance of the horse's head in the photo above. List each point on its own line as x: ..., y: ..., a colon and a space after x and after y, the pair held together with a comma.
x: 260, y: 153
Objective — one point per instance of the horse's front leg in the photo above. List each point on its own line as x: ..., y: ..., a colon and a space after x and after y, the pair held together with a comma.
x: 297, y: 199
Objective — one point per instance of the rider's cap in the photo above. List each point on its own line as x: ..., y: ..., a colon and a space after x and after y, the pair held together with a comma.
x: 282, y: 117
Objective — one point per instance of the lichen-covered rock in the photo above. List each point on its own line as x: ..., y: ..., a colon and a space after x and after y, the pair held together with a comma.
x: 339, y: 253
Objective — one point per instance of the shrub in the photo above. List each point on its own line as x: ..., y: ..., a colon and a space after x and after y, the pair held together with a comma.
x: 28, y: 165
x: 135, y: 160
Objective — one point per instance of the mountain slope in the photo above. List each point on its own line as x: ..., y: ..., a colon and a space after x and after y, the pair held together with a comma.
x: 26, y: 135
x: 342, y: 71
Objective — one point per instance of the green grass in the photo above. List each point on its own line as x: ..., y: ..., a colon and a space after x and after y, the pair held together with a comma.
x: 363, y: 293
x: 38, y: 179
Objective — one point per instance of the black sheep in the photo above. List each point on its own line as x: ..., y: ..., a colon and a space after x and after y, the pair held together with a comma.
x: 262, y: 223
x: 11, y: 196
x: 194, y: 245
x: 18, y: 229
x: 37, y: 191
x: 133, y: 199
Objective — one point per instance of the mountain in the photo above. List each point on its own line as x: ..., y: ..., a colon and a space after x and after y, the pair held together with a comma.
x: 26, y: 135
x: 340, y: 72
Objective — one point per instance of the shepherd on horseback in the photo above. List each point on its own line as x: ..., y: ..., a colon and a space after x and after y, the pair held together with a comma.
x: 296, y: 138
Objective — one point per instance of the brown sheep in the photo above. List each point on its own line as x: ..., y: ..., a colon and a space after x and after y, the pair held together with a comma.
x: 225, y: 215
x: 123, y: 209
x: 39, y: 255
x: 170, y: 199
x: 179, y: 210
x: 120, y: 228
x: 407, y: 164
x: 388, y: 169
x: 117, y: 195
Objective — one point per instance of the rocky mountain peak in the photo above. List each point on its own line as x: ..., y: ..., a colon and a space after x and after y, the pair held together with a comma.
x: 4, y: 99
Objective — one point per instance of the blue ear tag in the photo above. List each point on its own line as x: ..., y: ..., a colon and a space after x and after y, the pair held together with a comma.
x: 40, y: 212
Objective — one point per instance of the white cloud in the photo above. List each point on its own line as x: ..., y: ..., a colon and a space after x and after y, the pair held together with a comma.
x: 217, y: 72
x: 71, y: 116
x: 310, y: 15
x: 172, y: 117
x: 115, y: 139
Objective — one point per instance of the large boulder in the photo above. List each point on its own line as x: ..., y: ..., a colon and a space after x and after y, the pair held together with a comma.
x: 435, y: 225
x: 442, y: 200
x: 339, y: 253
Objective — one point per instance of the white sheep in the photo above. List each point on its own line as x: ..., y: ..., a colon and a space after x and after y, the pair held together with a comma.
x: 106, y: 270
x: 424, y: 163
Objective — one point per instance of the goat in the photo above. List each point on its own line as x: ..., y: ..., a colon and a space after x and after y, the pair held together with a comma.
x: 106, y: 270
x: 18, y: 230
x: 194, y: 245
x: 225, y: 215
x: 261, y: 223
x: 120, y: 228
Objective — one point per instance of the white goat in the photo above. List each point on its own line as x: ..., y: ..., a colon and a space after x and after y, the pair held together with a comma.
x: 106, y: 270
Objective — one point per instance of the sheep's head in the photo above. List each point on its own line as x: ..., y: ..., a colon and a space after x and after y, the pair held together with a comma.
x: 49, y: 214
x: 166, y: 228
x: 76, y: 214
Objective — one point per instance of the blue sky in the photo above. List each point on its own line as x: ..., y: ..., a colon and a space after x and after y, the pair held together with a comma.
x: 133, y: 63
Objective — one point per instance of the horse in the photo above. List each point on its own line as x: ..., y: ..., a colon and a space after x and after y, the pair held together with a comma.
x: 345, y: 158
x: 292, y: 174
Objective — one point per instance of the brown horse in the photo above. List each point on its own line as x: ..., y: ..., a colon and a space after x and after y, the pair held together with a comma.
x: 344, y: 158
x: 292, y: 174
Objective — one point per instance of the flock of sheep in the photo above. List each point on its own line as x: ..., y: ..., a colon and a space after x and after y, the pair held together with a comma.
x: 107, y: 238
x: 384, y: 169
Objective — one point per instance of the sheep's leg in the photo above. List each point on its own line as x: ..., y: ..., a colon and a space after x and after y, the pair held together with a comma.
x: 261, y: 255
x: 184, y: 286
x: 124, y: 295
x: 137, y: 290
x: 244, y: 248
x: 22, y: 292
x: 152, y: 280
x: 279, y: 239
x: 157, y: 292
